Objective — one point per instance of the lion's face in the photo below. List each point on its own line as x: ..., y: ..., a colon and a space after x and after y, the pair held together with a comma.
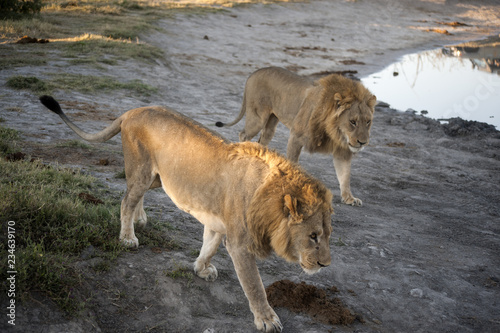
x: 311, y: 242
x: 308, y: 233
x: 354, y: 123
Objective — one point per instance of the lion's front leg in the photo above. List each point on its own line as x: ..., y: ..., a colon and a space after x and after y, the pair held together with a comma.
x: 293, y: 148
x: 343, y: 170
x: 202, y: 266
x: 265, y: 318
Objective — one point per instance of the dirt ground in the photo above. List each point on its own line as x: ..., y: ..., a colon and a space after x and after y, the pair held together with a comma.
x: 421, y: 255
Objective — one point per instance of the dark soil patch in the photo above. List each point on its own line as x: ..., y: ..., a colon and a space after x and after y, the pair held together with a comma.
x: 460, y: 127
x: 304, y: 298
x: 30, y: 40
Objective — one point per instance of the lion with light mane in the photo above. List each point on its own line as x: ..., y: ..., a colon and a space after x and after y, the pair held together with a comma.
x: 332, y: 115
x: 254, y: 197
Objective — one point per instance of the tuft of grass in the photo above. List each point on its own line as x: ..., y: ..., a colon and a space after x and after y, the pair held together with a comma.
x: 8, y: 134
x: 339, y: 242
x: 120, y: 174
x: 181, y: 272
x: 8, y: 137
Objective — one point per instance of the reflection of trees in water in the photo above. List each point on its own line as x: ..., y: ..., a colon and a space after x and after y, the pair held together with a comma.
x: 484, y: 54
x: 436, y: 60
x: 485, y: 59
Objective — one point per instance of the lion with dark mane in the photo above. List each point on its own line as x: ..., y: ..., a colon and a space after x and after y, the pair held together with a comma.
x: 254, y: 197
x: 332, y: 115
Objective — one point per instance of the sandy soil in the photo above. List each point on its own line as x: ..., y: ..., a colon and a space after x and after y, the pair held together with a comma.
x: 421, y: 255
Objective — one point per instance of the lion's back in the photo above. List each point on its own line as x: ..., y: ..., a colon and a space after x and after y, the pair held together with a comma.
x: 277, y: 90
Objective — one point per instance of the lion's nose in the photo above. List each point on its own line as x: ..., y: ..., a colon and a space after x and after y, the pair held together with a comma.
x: 322, y: 265
x: 361, y: 143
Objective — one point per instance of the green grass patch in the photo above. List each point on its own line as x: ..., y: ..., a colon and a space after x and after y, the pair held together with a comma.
x: 77, y: 82
x: 92, y: 84
x: 107, y: 50
x: 14, y: 58
x: 31, y: 83
x: 54, y: 224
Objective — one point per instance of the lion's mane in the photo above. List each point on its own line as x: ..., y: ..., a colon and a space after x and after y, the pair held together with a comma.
x: 267, y: 217
x: 324, y: 124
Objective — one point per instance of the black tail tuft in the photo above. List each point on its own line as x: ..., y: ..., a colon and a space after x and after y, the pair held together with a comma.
x: 51, y: 104
x: 219, y: 124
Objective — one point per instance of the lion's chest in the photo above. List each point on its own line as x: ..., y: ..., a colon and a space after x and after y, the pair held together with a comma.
x: 208, y: 219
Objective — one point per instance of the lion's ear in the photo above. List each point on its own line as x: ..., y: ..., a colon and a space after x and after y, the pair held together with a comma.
x: 337, y: 98
x: 372, y: 101
x: 291, y: 207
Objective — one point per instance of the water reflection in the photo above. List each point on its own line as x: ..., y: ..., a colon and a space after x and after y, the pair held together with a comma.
x: 457, y: 81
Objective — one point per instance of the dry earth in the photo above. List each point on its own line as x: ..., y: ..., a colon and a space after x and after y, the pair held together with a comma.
x: 421, y: 255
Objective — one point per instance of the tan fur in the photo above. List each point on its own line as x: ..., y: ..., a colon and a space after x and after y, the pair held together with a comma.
x: 259, y: 200
x: 332, y: 115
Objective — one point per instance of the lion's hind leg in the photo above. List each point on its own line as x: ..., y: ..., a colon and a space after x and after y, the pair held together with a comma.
x: 140, y: 218
x: 256, y: 120
x: 132, y: 209
x: 202, y: 266
x: 268, y: 132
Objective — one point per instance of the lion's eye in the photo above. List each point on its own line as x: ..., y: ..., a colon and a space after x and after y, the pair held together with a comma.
x: 368, y: 122
x: 353, y: 122
x: 314, y: 236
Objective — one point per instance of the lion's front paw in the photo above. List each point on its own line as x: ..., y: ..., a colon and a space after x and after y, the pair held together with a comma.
x: 130, y: 242
x: 350, y: 200
x: 269, y: 322
x: 209, y: 273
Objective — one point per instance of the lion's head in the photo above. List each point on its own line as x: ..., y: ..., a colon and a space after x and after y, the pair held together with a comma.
x: 343, y: 116
x: 290, y: 214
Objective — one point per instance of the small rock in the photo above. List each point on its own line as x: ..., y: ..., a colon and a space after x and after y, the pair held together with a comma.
x: 383, y: 104
x: 415, y: 125
x: 417, y: 293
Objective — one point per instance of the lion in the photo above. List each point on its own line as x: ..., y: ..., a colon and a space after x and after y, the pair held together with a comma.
x: 332, y: 115
x: 256, y: 198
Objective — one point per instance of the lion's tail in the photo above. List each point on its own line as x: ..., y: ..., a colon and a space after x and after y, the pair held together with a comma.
x: 101, y: 136
x: 240, y: 116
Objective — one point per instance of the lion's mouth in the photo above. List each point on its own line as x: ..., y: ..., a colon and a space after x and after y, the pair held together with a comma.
x: 310, y: 271
x: 355, y: 149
